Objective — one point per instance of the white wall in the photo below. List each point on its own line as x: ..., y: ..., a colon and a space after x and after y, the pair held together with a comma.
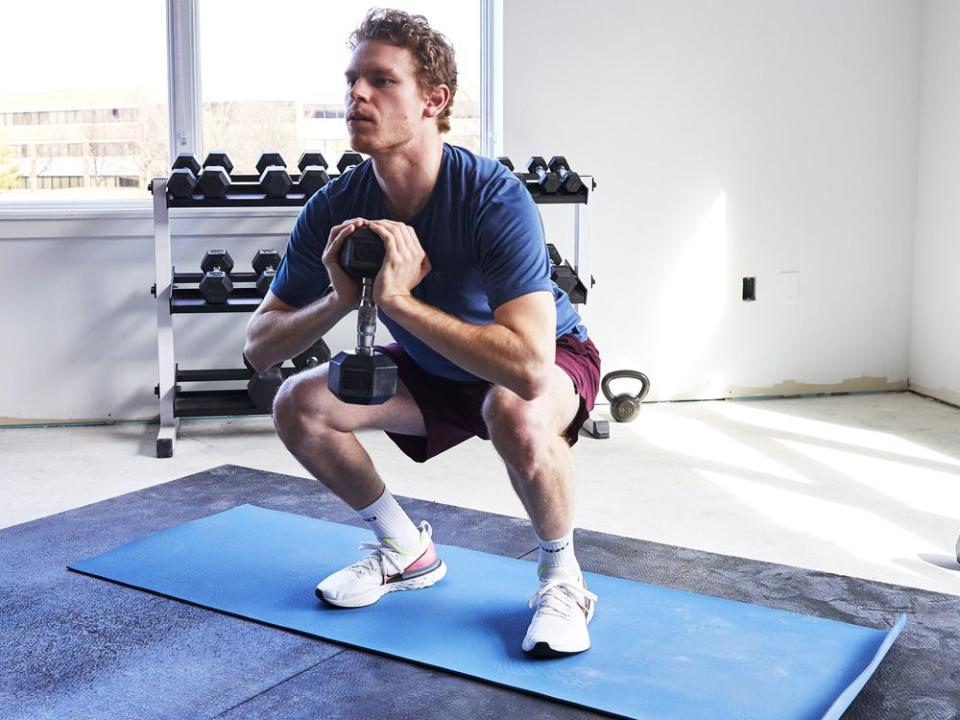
x: 731, y: 139
x: 935, y: 336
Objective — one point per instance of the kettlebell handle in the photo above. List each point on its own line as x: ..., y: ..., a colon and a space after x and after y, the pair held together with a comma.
x: 632, y: 374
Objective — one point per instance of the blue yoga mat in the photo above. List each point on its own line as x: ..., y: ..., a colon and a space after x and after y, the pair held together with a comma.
x: 657, y: 653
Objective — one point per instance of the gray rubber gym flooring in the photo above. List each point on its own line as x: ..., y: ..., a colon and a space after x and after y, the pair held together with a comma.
x: 72, y: 646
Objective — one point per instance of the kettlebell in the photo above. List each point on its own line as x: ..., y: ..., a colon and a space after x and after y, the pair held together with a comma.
x: 625, y: 407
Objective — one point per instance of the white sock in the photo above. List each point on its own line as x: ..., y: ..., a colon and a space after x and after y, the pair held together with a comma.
x: 557, y: 559
x: 391, y: 524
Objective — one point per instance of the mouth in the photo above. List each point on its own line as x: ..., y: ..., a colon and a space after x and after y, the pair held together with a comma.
x: 358, y: 117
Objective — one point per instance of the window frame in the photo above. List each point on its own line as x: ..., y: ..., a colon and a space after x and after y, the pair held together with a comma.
x: 186, y: 110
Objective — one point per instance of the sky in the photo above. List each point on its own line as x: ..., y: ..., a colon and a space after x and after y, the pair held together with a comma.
x: 279, y: 50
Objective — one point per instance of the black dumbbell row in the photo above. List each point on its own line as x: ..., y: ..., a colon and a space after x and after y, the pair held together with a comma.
x: 189, y: 180
x: 549, y: 178
x: 566, y: 278
x: 215, y: 284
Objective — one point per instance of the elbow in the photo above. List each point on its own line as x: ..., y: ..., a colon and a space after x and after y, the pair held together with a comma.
x: 535, y: 381
x: 251, y: 358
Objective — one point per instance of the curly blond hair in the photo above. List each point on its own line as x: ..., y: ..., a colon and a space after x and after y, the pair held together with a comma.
x: 431, y: 50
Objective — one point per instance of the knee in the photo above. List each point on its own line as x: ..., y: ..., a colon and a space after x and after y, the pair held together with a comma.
x: 513, y: 422
x: 300, y: 402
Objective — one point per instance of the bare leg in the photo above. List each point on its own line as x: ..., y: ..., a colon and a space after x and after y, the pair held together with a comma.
x: 528, y: 437
x: 318, y: 429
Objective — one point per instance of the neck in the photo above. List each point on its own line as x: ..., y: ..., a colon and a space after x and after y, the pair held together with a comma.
x: 407, y: 175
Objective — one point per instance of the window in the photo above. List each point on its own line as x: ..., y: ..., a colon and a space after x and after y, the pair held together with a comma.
x: 290, y: 97
x: 91, y: 119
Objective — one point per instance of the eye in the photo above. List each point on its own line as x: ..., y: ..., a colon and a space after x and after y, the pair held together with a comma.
x: 384, y: 81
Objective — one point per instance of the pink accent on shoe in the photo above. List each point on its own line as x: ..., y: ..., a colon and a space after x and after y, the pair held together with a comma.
x: 428, y: 558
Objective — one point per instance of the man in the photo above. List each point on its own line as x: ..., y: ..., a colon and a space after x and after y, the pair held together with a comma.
x: 486, y: 344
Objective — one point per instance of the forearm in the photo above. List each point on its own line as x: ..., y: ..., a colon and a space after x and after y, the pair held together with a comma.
x: 278, y: 335
x: 493, y: 352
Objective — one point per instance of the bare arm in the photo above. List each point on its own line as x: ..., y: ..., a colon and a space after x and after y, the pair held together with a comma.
x: 515, y: 351
x: 278, y: 331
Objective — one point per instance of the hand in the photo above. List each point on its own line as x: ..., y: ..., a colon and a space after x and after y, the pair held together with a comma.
x: 346, y: 289
x: 404, y: 265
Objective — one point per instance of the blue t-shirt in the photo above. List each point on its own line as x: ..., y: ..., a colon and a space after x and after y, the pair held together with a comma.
x: 480, y: 230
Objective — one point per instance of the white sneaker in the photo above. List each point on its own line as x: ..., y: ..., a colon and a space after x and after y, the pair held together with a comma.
x: 559, y: 625
x: 383, y: 570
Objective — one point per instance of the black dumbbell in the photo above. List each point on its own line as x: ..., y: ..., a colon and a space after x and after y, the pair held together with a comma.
x: 315, y: 355
x: 548, y: 182
x: 506, y: 162
x: 216, y: 286
x: 569, y: 181
x: 565, y: 277
x: 265, y: 264
x: 263, y: 387
x: 183, y: 178
x: 349, y: 160
x: 365, y: 377
x: 214, y: 180
x: 274, y: 180
x: 554, y: 254
x: 313, y: 173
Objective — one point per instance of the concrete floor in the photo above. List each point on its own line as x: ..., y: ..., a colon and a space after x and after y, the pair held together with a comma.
x: 861, y: 485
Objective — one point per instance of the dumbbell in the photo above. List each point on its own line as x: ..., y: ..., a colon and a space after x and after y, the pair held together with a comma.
x: 215, y: 285
x: 548, y: 182
x: 569, y: 181
x: 183, y: 178
x: 214, y: 180
x: 315, y: 355
x: 349, y: 160
x: 365, y: 377
x: 566, y: 277
x: 274, y: 180
x: 313, y: 173
x: 265, y: 264
x: 263, y: 387
x: 506, y: 162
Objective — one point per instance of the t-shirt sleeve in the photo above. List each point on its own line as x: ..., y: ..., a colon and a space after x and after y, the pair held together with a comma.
x: 302, y: 277
x: 513, y: 256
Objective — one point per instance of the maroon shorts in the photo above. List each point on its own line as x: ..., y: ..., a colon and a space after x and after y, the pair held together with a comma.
x: 452, y: 410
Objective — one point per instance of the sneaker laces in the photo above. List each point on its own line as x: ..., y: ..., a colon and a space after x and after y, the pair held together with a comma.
x: 560, y: 596
x: 383, y: 557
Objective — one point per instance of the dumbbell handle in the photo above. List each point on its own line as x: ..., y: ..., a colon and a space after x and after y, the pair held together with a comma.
x: 366, y: 319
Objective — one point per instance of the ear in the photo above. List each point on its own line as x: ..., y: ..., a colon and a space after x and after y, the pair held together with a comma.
x: 436, y: 99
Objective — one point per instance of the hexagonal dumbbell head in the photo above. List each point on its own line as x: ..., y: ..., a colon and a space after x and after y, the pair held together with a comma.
x: 550, y: 183
x: 506, y: 162
x: 275, y: 182
x: 316, y: 354
x: 214, y: 181
x: 569, y: 180
x: 362, y: 379
x: 348, y: 160
x: 310, y: 158
x: 263, y: 387
x: 216, y: 287
x: 217, y: 259
x: 312, y: 179
x: 362, y: 253
x: 181, y: 183
x: 269, y: 159
x: 265, y: 264
x: 187, y: 160
x: 220, y: 159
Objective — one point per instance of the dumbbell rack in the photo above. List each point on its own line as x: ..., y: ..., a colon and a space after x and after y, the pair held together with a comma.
x: 172, y: 299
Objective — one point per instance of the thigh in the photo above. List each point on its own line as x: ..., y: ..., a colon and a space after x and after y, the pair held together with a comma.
x: 399, y: 414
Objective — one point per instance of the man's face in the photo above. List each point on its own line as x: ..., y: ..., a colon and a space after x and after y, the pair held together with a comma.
x: 384, y: 103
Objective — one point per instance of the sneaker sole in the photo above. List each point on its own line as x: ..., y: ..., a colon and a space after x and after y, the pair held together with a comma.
x: 543, y: 650
x: 371, y: 596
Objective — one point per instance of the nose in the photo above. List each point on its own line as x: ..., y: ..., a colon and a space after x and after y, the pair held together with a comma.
x: 359, y: 90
